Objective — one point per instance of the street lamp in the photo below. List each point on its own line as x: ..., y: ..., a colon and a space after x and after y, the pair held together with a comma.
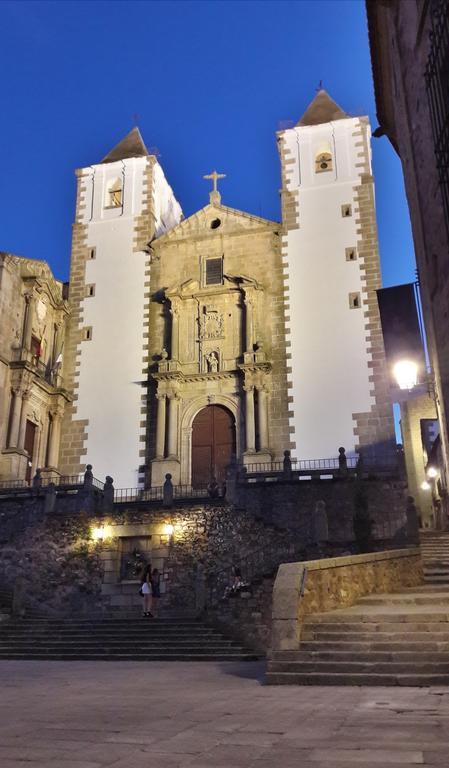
x: 432, y: 472
x: 406, y: 374
x: 425, y: 486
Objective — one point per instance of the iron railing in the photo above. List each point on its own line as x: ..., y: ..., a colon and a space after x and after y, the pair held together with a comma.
x: 156, y: 493
x: 302, y: 466
x: 12, y: 484
x: 193, y: 492
x: 130, y: 495
x: 44, y: 370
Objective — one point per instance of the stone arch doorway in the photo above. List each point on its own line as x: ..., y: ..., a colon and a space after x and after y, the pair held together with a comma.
x: 213, y: 443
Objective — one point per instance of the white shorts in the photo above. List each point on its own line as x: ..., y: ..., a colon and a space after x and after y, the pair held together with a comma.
x: 146, y: 589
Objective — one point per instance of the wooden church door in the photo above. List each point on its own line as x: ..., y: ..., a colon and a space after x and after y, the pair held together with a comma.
x: 213, y: 443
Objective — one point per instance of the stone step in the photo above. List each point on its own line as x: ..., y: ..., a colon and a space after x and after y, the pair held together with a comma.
x: 316, y: 678
x: 131, y: 642
x: 428, y: 588
x: 235, y: 655
x: 381, y: 637
x: 437, y: 579
x: 141, y: 639
x: 406, y: 598
x: 287, y: 657
x: 362, y: 627
x: 395, y: 616
x: 372, y: 667
x: 145, y: 628
x: 390, y: 645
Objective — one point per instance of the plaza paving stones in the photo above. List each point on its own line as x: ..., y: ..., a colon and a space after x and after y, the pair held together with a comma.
x: 216, y: 715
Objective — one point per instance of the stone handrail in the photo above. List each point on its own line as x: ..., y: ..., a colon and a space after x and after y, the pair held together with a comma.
x: 314, y: 586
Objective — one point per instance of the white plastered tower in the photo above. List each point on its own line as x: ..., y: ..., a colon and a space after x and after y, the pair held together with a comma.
x: 337, y: 381
x: 122, y: 203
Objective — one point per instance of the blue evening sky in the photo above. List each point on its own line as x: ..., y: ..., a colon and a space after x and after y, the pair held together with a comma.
x: 210, y: 81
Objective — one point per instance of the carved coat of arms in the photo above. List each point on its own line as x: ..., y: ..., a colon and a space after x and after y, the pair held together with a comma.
x: 211, y: 324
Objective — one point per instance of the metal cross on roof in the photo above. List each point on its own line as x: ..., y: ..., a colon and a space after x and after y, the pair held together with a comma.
x: 214, y: 176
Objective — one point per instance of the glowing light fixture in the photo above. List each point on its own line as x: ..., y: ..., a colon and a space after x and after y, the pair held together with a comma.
x: 425, y: 486
x: 169, y: 529
x: 432, y: 472
x: 406, y: 374
x: 100, y: 533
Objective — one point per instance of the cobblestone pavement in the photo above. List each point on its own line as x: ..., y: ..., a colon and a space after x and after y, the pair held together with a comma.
x: 209, y: 715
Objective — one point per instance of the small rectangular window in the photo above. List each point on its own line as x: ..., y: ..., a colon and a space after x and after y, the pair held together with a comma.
x: 92, y: 253
x: 351, y: 254
x: 214, y: 271
x: 90, y: 289
x: 354, y: 301
x: 87, y: 333
x: 346, y: 210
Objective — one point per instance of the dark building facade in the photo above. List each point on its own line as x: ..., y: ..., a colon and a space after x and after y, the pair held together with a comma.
x: 409, y: 44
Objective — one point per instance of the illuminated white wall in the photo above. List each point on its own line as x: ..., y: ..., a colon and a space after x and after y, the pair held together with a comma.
x: 111, y: 363
x: 329, y: 365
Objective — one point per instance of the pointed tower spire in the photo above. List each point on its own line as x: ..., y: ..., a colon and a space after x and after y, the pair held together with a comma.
x: 131, y: 146
x: 322, y: 109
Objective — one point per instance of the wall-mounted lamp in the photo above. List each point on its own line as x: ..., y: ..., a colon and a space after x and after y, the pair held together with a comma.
x: 406, y: 374
x: 100, y: 533
x: 432, y: 472
x: 425, y: 486
x: 169, y: 529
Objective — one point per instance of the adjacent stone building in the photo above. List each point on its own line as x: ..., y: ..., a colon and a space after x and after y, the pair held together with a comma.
x: 410, y: 59
x: 33, y: 395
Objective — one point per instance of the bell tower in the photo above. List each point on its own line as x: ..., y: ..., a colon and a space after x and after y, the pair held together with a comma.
x: 337, y: 370
x: 122, y: 203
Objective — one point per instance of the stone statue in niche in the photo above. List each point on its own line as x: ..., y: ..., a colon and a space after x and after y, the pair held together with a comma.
x: 211, y: 324
x: 212, y: 362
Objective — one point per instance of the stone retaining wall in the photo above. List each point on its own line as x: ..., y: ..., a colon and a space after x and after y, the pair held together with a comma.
x: 336, y: 583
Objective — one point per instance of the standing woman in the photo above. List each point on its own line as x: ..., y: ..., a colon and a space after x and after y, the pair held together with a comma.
x: 145, y: 590
x: 155, y: 591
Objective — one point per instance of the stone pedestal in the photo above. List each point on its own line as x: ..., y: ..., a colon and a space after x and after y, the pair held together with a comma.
x: 160, y: 467
x: 13, y: 464
x: 261, y: 457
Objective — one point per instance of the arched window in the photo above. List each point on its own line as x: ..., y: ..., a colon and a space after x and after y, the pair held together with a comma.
x: 323, y: 162
x: 114, y: 196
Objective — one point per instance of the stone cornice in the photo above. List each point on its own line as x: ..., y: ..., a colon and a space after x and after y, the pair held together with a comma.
x: 195, y: 226
x: 194, y: 377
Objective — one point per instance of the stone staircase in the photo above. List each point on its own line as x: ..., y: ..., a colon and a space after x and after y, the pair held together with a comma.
x: 117, y: 639
x: 384, y: 639
x: 435, y: 555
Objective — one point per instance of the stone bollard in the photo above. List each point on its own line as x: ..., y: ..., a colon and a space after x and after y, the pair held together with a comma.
x: 50, y: 499
x: 342, y: 462
x: 167, y: 498
x: 287, y: 466
x: 412, y: 521
x: 37, y: 481
x: 108, y: 494
x: 88, y: 478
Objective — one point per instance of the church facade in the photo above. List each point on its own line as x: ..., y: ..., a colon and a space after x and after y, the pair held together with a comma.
x: 191, y: 342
